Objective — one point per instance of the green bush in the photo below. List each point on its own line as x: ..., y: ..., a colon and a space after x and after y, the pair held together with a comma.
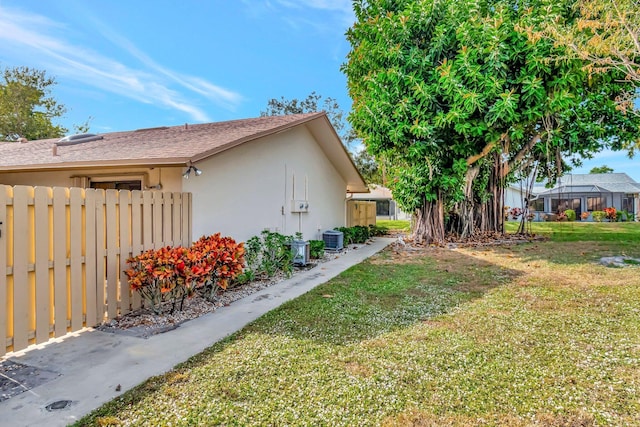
x: 571, y: 214
x: 598, y: 216
x: 316, y: 248
x: 267, y: 255
x: 356, y: 234
x: 622, y: 216
x: 375, y: 230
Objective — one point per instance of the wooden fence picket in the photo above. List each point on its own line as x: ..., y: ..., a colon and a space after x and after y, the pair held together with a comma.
x: 76, y: 242
x: 101, y: 253
x: 112, y: 253
x: 20, y: 288
x: 93, y: 307
x: 60, y: 260
x: 43, y: 253
x: 6, y: 196
x: 136, y: 237
x: 124, y: 207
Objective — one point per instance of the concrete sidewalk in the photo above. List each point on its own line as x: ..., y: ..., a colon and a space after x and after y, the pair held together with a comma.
x: 89, y: 367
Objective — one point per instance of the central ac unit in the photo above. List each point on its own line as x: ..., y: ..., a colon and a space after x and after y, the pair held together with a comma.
x: 333, y: 240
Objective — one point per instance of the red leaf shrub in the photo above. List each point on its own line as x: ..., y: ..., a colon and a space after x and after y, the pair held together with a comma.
x: 172, y: 274
x: 222, y: 257
x: 610, y: 213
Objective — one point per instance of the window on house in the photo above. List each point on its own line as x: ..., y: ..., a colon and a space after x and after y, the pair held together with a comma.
x: 537, y: 205
x: 561, y: 205
x: 596, y: 203
x: 382, y: 207
x: 117, y: 185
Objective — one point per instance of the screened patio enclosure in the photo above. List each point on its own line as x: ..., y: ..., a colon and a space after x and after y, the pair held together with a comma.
x: 575, y: 192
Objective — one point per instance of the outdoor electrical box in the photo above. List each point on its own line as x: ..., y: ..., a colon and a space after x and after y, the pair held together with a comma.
x: 299, y: 206
x: 301, y: 252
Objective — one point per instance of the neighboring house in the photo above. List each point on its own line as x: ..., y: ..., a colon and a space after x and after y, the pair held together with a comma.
x: 285, y: 173
x: 386, y: 207
x: 514, y: 197
x: 591, y: 192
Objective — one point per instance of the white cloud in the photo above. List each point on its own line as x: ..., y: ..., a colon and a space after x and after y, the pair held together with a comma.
x: 342, y: 6
x: 35, y: 37
x: 342, y: 11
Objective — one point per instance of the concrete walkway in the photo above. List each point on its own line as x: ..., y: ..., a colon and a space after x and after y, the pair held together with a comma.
x: 92, y: 367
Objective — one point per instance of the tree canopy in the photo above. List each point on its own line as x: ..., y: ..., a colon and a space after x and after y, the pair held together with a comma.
x: 606, y: 34
x: 371, y: 170
x: 27, y: 109
x: 459, y: 94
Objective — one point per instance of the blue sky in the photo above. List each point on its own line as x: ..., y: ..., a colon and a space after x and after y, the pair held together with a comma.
x: 137, y: 64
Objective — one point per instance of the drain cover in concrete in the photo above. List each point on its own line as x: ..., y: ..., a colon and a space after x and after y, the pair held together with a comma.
x: 16, y: 378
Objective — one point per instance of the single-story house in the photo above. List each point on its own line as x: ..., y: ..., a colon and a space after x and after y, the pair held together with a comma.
x: 284, y: 173
x: 386, y: 207
x: 591, y: 192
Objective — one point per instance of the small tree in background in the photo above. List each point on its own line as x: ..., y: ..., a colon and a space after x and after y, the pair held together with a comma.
x: 27, y: 109
x: 601, y: 169
x: 311, y: 104
x: 367, y: 164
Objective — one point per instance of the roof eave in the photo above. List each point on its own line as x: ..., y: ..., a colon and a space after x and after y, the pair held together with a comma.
x: 176, y: 161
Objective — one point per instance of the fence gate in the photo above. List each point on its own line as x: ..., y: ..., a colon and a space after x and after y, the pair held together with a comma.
x: 63, y: 252
x: 361, y: 213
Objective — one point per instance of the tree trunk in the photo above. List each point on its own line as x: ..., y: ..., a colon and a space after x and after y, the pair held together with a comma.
x: 468, y: 205
x: 489, y: 215
x: 495, y: 205
x: 429, y: 223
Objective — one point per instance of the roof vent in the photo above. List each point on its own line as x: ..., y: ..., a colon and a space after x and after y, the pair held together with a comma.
x: 78, y: 139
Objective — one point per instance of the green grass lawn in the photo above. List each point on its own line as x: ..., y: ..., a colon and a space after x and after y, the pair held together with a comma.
x: 394, y: 225
x: 519, y: 335
x: 577, y: 231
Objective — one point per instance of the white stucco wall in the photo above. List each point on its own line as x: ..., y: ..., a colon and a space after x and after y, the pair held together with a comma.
x: 249, y: 188
x: 513, y: 198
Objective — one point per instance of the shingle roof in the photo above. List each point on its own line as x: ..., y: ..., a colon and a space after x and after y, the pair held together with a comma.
x: 376, y: 192
x: 174, y: 145
x: 595, y: 179
x: 595, y: 183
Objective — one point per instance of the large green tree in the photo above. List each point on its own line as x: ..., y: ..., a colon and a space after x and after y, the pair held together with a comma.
x: 460, y: 95
x: 27, y: 109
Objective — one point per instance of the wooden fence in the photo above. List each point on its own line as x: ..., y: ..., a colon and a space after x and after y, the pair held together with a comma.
x: 361, y: 213
x: 63, y: 252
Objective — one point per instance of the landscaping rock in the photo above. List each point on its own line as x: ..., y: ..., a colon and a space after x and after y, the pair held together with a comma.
x: 620, y: 261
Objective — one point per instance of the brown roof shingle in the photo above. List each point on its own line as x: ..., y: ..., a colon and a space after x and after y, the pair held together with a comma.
x: 157, y: 146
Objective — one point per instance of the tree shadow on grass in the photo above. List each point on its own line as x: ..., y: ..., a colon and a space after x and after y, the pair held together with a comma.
x: 568, y: 253
x: 394, y: 289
